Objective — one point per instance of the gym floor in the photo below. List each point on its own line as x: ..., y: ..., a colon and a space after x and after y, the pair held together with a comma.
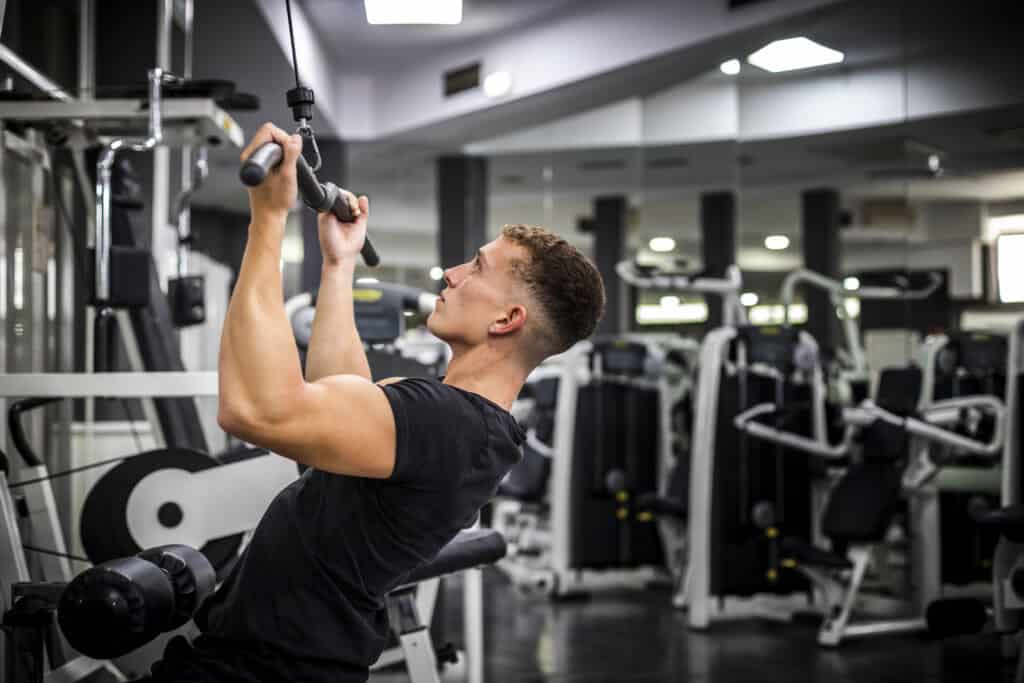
x: 636, y: 636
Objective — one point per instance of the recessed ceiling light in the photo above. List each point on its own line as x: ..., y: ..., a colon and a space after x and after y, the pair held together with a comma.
x: 367, y: 281
x: 436, y: 273
x: 748, y: 299
x: 413, y: 11
x: 794, y: 53
x: 497, y: 84
x: 730, y: 67
x: 851, y: 283
x: 662, y: 244
x: 776, y: 242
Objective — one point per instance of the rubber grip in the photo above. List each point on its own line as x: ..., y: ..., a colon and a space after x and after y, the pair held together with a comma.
x: 258, y: 165
x: 370, y: 256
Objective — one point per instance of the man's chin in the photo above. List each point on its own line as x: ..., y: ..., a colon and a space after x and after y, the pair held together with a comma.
x: 431, y: 327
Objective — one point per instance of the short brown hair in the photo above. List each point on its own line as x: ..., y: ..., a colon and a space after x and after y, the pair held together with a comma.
x: 566, y: 285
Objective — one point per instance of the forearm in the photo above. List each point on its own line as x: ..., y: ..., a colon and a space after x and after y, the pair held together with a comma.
x: 258, y: 365
x: 335, y: 347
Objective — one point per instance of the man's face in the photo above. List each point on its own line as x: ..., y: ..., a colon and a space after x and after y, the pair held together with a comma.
x: 477, y: 293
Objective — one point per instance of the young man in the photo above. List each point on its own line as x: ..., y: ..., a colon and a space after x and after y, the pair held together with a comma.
x: 397, y: 468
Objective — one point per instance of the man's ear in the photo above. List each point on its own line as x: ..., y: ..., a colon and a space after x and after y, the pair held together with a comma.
x: 513, y: 319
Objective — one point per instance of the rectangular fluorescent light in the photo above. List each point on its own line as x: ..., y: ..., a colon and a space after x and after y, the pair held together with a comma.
x: 414, y: 11
x: 1009, y: 256
x: 1012, y: 223
x: 648, y: 314
x: 775, y: 314
x: 794, y: 53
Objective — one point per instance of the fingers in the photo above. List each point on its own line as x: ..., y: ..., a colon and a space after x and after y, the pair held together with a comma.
x: 360, y: 209
x: 268, y: 132
x: 351, y: 203
x: 264, y: 135
x: 292, y: 145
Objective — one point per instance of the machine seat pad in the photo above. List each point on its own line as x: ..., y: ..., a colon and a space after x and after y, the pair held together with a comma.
x: 660, y: 505
x: 1008, y: 521
x: 468, y: 549
x: 811, y: 555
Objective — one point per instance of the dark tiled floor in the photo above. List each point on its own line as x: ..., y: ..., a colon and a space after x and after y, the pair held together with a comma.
x: 637, y: 637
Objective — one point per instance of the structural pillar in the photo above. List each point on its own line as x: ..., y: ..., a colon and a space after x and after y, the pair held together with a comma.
x: 462, y: 208
x: 819, y: 236
x: 609, y: 227
x: 718, y: 243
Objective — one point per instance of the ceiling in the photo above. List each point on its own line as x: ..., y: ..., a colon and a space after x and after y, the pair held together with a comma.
x: 356, y: 44
x: 981, y: 151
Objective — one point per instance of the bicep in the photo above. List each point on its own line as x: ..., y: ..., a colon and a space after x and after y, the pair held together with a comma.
x: 341, y: 424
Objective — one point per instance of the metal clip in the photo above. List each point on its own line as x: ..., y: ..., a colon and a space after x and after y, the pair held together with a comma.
x: 306, y: 130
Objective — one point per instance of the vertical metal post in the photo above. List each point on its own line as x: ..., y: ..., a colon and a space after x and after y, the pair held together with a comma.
x: 86, y: 50
x: 5, y: 260
x: 184, y: 218
x: 473, y: 623
x: 161, y: 155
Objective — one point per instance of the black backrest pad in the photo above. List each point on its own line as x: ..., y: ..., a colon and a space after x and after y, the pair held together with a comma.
x: 899, y: 389
x: 884, y: 442
x: 528, y: 480
x: 981, y: 352
x: 862, y: 503
x: 622, y: 357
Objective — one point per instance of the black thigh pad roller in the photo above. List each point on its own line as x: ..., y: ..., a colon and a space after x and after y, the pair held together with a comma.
x: 192, y: 578
x: 116, y: 607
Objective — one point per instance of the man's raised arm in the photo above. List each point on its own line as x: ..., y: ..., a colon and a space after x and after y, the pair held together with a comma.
x: 335, y: 347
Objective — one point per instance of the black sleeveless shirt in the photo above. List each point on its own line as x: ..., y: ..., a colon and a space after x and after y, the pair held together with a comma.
x: 306, y: 601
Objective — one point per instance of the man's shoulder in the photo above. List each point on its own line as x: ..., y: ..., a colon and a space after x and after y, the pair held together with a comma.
x: 426, y: 391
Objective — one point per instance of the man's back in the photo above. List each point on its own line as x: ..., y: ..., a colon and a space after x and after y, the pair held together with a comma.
x: 307, y: 599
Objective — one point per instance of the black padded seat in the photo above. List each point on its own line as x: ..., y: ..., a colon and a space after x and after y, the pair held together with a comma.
x: 661, y: 506
x: 805, y: 553
x: 468, y: 549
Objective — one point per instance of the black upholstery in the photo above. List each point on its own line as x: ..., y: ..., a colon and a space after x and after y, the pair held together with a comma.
x: 542, y: 417
x: 469, y: 549
x: 528, y: 480
x: 884, y: 442
x: 899, y: 389
x: 862, y: 503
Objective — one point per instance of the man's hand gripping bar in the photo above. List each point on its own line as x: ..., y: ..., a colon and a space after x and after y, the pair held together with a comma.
x: 321, y: 197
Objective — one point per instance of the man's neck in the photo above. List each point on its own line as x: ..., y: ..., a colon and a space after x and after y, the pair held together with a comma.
x: 487, y: 371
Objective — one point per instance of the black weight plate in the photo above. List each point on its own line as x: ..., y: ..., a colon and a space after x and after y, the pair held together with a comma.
x: 104, y: 523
